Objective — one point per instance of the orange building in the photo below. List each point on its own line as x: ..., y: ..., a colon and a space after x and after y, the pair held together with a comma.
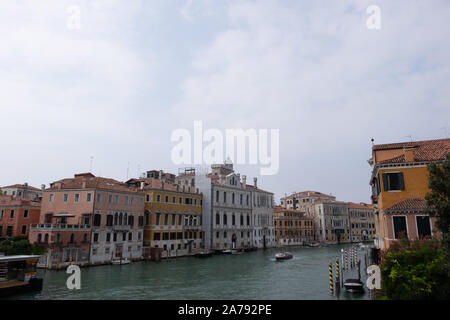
x: 16, y: 215
x: 292, y: 227
x: 399, y: 184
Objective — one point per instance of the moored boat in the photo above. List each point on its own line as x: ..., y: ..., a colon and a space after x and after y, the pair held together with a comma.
x: 353, y: 285
x: 18, y: 274
x: 283, y: 256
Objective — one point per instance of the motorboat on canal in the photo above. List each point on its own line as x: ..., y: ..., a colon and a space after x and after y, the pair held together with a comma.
x: 121, y: 261
x: 353, y: 285
x: 314, y: 245
x: 283, y: 256
x: 18, y: 274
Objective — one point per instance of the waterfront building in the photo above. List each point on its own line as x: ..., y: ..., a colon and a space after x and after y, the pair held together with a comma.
x: 292, y: 227
x: 89, y: 220
x: 16, y: 215
x: 230, y: 209
x: 399, y: 183
x: 305, y: 201
x: 262, y: 216
x: 22, y: 191
x: 332, y: 221
x: 362, y: 222
x: 173, y: 217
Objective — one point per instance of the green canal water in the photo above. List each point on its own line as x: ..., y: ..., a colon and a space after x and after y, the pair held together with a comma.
x: 254, y: 276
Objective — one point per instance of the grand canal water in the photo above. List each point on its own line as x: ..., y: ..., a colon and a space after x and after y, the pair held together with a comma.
x: 254, y: 275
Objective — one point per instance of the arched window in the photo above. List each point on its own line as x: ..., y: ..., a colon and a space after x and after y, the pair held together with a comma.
x: 120, y: 219
x: 39, y: 238
x: 225, y: 222
x: 233, y: 219
x: 248, y: 220
x: 46, y: 238
x: 217, y: 218
x: 242, y: 219
x: 147, y: 218
x: 232, y: 198
x: 116, y: 218
x: 85, y: 238
x: 58, y: 238
x: 109, y: 220
x: 217, y: 196
x: 190, y: 220
x: 72, y: 238
x: 125, y: 219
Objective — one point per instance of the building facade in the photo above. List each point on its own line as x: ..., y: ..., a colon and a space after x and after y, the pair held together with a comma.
x: 399, y: 183
x: 305, y: 201
x: 231, y: 209
x: 292, y: 227
x: 173, y: 217
x: 16, y: 216
x: 332, y: 221
x: 89, y: 220
x: 22, y: 191
x: 362, y: 222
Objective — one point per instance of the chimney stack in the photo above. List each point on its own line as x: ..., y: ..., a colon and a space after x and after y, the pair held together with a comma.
x: 409, y: 154
x: 244, y: 181
x: 83, y: 184
x: 255, y: 180
x: 160, y: 174
x: 42, y: 187
x: 142, y: 185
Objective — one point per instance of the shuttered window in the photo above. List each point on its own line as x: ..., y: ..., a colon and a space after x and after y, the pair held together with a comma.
x: 399, y: 226
x: 393, y: 181
x: 423, y: 226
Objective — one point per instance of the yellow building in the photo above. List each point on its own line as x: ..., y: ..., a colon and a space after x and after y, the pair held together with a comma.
x: 399, y: 184
x: 172, y: 223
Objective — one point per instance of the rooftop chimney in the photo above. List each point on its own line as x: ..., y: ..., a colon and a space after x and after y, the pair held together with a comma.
x: 142, y: 185
x: 83, y: 184
x: 244, y: 181
x: 25, y: 184
x: 409, y: 154
x: 255, y: 180
x: 42, y: 187
x: 160, y: 174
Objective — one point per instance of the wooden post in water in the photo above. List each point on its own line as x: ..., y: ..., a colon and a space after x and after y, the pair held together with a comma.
x: 330, y: 269
x: 338, y: 273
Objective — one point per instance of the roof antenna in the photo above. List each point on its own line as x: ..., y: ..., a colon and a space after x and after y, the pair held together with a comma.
x: 90, y: 166
x: 409, y: 136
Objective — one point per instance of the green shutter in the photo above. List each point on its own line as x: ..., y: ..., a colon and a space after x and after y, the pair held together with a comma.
x: 385, y: 182
x: 402, y: 182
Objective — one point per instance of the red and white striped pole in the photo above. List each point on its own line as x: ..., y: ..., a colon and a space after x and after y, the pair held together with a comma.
x: 346, y: 260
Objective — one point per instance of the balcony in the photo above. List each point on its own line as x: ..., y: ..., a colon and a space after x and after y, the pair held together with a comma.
x: 59, y: 227
x: 121, y: 228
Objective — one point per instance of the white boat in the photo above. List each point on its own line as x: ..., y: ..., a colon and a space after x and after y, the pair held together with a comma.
x: 121, y: 261
x: 283, y: 256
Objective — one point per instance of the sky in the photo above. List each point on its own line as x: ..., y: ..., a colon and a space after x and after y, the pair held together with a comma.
x: 101, y: 85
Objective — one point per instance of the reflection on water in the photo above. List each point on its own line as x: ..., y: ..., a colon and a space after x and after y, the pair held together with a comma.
x: 253, y: 275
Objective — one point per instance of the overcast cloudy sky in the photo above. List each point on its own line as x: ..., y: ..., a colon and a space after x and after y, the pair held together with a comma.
x: 117, y: 87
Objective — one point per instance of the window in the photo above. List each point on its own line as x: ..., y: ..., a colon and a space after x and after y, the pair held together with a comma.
x: 217, y: 196
x: 166, y: 218
x: 157, y: 236
x: 88, y: 197
x: 109, y: 220
x: 110, y: 198
x: 180, y: 200
x: 233, y: 220
x: 224, y: 197
x: 96, y: 237
x: 24, y: 229
x: 66, y: 197
x: 141, y: 221
x: 25, y: 213
x: 51, y: 198
x: 11, y: 214
x: 77, y: 197
x: 167, y: 199
x: 173, y: 219
x: 173, y: 236
x: 130, y: 236
x: 179, y: 219
x: 232, y: 198
x: 97, y: 220
x: 225, y: 219
x: 158, y: 198
x: 1, y: 215
x: 157, y: 218
x: 423, y: 226
x: 240, y: 199
x: 399, y: 226
x: 116, y: 199
x: 72, y: 238
x: 242, y: 219
x: 393, y: 181
x: 165, y: 236
x: 174, y: 200
x: 147, y: 198
x: 108, y: 237
x: 99, y: 197
x: 217, y: 219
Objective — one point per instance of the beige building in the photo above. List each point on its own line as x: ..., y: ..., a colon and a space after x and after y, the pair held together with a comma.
x: 362, y: 222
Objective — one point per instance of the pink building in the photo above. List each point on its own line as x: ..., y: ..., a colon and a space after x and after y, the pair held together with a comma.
x: 16, y: 215
x: 89, y: 220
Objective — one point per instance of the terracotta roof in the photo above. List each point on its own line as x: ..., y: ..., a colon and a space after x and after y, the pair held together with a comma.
x: 309, y: 194
x: 361, y: 205
x: 428, y: 150
x: 13, y: 201
x: 21, y: 186
x: 250, y: 187
x: 408, y: 205
x: 282, y: 209
x: 91, y: 181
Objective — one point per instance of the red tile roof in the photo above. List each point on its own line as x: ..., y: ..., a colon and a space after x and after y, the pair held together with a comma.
x: 91, y: 181
x: 361, y: 205
x: 21, y: 186
x: 408, y: 205
x: 309, y: 194
x: 13, y: 201
x: 428, y: 150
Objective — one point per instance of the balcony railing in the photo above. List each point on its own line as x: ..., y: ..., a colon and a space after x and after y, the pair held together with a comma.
x: 121, y: 228
x: 59, y: 227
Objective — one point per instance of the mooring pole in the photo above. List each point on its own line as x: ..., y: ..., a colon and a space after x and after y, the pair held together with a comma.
x: 338, y: 282
x: 330, y: 269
